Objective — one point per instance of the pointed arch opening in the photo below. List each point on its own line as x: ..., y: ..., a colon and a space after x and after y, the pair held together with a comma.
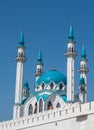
x: 42, y: 85
x: 51, y: 85
x: 30, y: 109
x: 60, y: 86
x: 49, y: 106
x: 40, y: 105
x: 35, y: 109
x: 58, y: 105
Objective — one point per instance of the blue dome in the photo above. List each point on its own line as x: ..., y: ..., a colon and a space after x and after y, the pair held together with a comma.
x: 82, y: 81
x: 52, y: 75
x: 26, y: 85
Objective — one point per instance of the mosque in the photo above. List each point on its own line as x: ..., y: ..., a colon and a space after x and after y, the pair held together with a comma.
x: 53, y: 104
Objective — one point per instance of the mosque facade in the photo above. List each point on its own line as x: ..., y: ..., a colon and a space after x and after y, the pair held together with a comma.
x: 53, y: 104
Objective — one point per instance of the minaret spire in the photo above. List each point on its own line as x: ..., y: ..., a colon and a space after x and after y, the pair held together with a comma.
x: 21, y: 41
x: 39, y: 66
x: 83, y: 70
x: 70, y: 54
x: 71, y: 36
x: 83, y: 54
x: 20, y: 59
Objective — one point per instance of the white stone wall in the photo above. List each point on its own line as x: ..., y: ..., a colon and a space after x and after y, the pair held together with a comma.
x: 73, y: 117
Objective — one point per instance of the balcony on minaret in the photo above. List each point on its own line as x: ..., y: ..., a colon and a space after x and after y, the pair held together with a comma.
x: 20, y: 57
x: 70, y: 52
x: 83, y: 70
x: 38, y: 72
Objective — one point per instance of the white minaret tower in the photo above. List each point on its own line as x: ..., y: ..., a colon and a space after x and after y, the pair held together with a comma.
x: 20, y: 59
x: 83, y: 70
x: 39, y: 67
x: 82, y: 90
x: 70, y: 54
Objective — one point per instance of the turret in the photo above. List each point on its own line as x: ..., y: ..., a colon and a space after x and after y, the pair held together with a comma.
x: 25, y: 90
x: 82, y: 90
x: 70, y: 54
x: 39, y: 66
x: 20, y: 59
x: 83, y: 70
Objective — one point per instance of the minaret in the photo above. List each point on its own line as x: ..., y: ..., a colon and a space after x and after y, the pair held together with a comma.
x: 39, y: 67
x: 20, y: 59
x: 70, y: 54
x: 82, y: 90
x: 25, y: 90
x: 83, y: 70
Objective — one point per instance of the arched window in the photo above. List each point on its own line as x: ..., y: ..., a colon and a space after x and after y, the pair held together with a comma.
x: 42, y: 86
x: 72, y: 49
x: 35, y: 109
x: 40, y: 105
x: 60, y: 86
x: 30, y: 110
x: 50, y: 106
x: 58, y: 105
x: 51, y: 85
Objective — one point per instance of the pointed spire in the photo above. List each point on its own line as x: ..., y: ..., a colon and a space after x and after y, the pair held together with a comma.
x: 21, y: 41
x: 71, y: 36
x: 83, y: 54
x: 40, y: 58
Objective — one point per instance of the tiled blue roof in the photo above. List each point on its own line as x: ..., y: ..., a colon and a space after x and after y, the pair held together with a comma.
x: 64, y: 97
x: 23, y: 101
x: 44, y: 96
x: 26, y: 85
x: 52, y: 75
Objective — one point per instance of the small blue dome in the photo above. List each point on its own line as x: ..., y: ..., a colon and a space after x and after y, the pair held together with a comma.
x: 26, y: 85
x: 82, y: 81
x: 52, y: 75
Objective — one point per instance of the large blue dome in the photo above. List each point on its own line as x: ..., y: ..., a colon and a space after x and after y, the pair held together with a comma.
x: 52, y: 75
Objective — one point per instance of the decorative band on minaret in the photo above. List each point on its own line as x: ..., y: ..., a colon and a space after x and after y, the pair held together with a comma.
x: 20, y: 59
x: 70, y: 54
x: 83, y: 70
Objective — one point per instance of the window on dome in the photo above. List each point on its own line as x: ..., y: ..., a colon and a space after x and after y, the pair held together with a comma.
x: 60, y: 86
x: 58, y: 105
x: 35, y: 110
x: 51, y: 85
x: 30, y: 110
x: 40, y: 105
x: 50, y: 106
x: 42, y: 86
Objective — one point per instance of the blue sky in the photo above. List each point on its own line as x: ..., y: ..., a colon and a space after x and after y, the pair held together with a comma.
x: 46, y: 25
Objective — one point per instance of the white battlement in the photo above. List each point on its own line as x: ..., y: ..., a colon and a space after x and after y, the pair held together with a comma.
x: 52, y: 116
